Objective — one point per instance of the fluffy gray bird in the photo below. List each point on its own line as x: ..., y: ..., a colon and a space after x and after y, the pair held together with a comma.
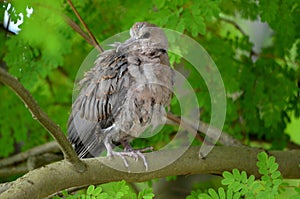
x: 123, y: 94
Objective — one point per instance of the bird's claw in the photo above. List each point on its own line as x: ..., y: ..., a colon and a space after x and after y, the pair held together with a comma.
x: 135, y: 154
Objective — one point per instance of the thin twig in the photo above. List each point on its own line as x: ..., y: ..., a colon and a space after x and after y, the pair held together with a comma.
x: 42, y: 118
x: 33, y: 162
x: 21, y: 157
x: 69, y: 21
x: 95, y: 42
x: 225, y: 139
x: 78, y: 29
x: 234, y: 24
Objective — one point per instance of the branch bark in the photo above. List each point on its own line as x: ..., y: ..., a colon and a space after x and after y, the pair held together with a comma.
x: 42, y: 118
x: 52, y: 178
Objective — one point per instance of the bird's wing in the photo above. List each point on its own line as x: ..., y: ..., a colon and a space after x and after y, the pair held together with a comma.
x: 101, y: 94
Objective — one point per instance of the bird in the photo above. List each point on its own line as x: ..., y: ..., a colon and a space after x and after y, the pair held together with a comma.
x: 124, y: 93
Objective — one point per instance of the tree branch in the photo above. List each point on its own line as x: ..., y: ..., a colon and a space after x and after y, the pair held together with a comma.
x: 52, y: 178
x: 225, y: 139
x: 43, y: 119
x: 71, y: 23
x: 29, y: 164
x: 234, y: 24
x: 21, y: 157
x: 78, y: 29
x: 95, y: 43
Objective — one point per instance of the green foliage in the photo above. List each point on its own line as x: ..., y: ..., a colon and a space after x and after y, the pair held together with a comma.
x: 239, y: 185
x: 46, y: 54
x: 262, y: 95
x: 32, y: 56
x: 113, y: 190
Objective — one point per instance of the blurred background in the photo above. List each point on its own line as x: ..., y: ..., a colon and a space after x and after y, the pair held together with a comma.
x: 255, y: 45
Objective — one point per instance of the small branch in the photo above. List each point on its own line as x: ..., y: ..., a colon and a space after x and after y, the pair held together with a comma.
x: 13, y: 171
x: 50, y: 147
x: 95, y: 42
x: 225, y: 139
x: 234, y: 24
x: 31, y: 163
x: 70, y: 22
x: 78, y: 29
x: 52, y: 178
x: 43, y: 119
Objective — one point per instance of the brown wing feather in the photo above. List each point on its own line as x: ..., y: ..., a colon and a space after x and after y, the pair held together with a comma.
x: 92, y: 110
x: 108, y: 97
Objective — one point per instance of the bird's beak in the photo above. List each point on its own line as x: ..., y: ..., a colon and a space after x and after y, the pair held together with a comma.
x: 127, y: 43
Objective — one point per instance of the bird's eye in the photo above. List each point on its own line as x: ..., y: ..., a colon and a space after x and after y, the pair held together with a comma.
x: 139, y: 26
x: 145, y: 35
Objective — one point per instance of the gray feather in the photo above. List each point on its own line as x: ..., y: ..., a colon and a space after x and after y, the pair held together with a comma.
x: 124, y: 93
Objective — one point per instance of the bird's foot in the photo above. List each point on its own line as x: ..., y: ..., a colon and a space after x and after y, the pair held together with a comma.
x: 132, y: 153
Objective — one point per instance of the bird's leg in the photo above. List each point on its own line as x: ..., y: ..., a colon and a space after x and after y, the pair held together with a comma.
x: 111, y: 153
x: 135, y: 153
x: 128, y: 151
x: 128, y: 147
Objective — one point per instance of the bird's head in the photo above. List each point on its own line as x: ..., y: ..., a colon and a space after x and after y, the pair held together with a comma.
x: 149, y: 35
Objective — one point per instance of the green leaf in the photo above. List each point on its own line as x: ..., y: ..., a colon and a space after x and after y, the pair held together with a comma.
x: 102, y: 196
x: 277, y: 182
x: 228, y: 178
x: 266, y: 178
x: 97, y: 191
x: 213, y: 193
x: 236, y: 195
x: 250, y: 180
x: 236, y: 186
x: 64, y: 193
x: 236, y: 174
x: 159, y: 4
x: 262, y: 157
x: 269, y: 10
x: 244, y: 177
x: 227, y: 181
x: 203, y: 196
x: 227, y: 175
x: 229, y: 194
x: 271, y: 161
x: 275, y: 175
x: 221, y: 193
x: 90, y: 190
x: 196, y: 195
x: 263, y: 171
x: 273, y: 167
x: 146, y: 194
